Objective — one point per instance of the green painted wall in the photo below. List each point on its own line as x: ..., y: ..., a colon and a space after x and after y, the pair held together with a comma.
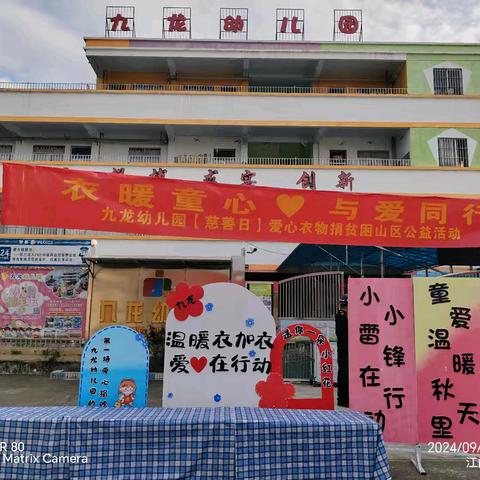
x: 407, y: 48
x: 417, y: 64
x: 421, y: 154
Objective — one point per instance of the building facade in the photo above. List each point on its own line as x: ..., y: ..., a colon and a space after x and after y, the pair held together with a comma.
x: 362, y: 117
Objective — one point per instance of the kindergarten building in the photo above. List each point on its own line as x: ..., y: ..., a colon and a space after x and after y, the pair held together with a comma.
x: 339, y: 115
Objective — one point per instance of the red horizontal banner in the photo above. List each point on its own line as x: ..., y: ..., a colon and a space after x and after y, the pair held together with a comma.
x: 65, y: 198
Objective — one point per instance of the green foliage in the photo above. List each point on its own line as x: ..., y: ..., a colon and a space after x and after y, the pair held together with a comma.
x: 51, y: 357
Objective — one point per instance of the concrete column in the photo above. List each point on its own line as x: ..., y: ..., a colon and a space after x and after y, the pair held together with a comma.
x: 165, y: 153
x: 315, y: 152
x: 244, y: 150
x: 95, y: 151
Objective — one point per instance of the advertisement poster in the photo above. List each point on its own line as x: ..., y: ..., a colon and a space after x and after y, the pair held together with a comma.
x: 43, y: 302
x: 447, y: 332
x: 382, y: 373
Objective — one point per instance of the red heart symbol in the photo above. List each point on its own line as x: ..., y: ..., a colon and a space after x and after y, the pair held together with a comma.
x: 198, y: 364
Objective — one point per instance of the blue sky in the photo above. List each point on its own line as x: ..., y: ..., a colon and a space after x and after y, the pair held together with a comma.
x: 42, y: 40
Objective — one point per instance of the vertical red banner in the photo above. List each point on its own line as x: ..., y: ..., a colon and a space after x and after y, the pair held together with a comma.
x: 447, y: 330
x: 382, y: 370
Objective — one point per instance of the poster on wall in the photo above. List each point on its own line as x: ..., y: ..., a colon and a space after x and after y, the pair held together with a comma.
x: 43, y: 302
x: 382, y: 370
x: 447, y: 329
x: 217, y: 346
x: 114, y: 370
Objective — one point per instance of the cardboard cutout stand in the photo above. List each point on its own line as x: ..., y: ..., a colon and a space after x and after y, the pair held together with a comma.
x: 114, y: 371
x: 277, y: 395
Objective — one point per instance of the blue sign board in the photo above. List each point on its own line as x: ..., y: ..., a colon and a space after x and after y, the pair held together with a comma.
x: 114, y: 371
x: 43, y: 252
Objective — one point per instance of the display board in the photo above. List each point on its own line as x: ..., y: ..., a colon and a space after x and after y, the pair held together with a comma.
x: 43, y: 252
x: 217, y: 346
x: 114, y: 370
x: 447, y: 333
x: 43, y: 302
x: 382, y: 370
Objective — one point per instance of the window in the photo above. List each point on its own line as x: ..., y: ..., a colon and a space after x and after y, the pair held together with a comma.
x: 224, y: 153
x: 453, y: 152
x: 448, y: 81
x: 338, y: 157
x: 6, y: 152
x: 373, y: 154
x: 143, y: 154
x: 81, y: 153
x: 51, y: 153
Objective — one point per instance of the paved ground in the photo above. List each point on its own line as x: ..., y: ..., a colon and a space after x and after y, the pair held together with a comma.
x: 18, y: 390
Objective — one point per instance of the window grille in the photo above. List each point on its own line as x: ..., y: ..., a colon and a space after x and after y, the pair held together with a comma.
x: 453, y: 152
x: 448, y: 81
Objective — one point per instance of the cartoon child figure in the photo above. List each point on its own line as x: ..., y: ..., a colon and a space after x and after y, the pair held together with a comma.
x: 126, y: 390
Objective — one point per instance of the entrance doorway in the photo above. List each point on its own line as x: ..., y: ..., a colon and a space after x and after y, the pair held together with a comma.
x: 338, y: 157
x: 311, y: 299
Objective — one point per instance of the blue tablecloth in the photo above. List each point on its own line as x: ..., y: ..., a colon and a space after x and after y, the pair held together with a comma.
x: 196, y: 443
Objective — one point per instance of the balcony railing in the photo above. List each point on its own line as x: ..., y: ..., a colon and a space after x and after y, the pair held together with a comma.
x: 219, y: 89
x: 207, y: 159
x: 200, y: 159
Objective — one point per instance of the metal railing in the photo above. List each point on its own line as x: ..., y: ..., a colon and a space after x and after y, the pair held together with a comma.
x: 207, y: 159
x: 367, y: 162
x: 193, y: 88
x: 200, y: 159
x: 27, y: 342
